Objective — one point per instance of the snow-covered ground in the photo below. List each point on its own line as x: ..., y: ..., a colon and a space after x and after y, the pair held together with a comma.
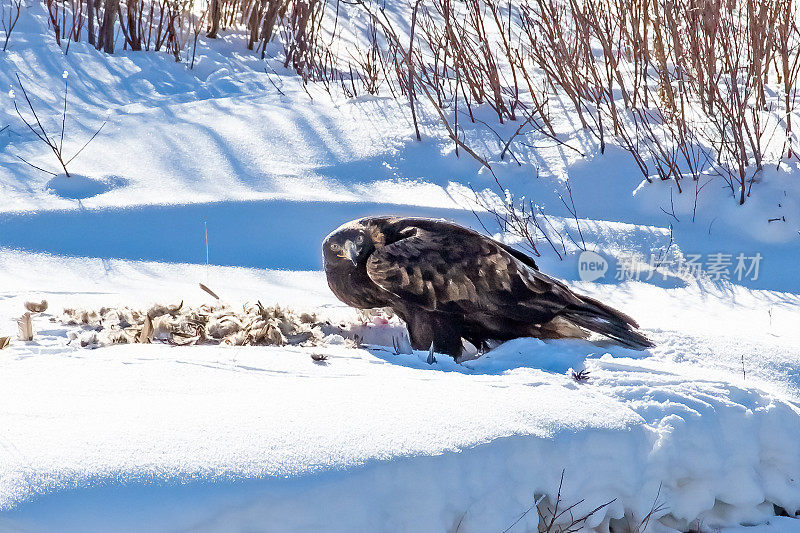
x: 704, y: 428
x: 247, y: 438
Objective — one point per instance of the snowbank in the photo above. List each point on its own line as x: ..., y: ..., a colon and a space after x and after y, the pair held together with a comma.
x: 330, y: 444
x: 214, y: 438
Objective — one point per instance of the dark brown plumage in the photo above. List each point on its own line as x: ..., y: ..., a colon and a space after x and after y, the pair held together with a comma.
x: 448, y: 282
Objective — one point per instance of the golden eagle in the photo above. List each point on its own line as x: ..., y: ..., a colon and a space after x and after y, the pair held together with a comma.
x: 450, y: 283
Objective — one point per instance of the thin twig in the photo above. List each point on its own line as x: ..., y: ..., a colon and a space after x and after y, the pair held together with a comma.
x: 87, y: 142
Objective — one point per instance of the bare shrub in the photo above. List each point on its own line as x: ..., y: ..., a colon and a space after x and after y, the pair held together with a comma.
x: 53, y: 142
x: 527, y: 222
x: 557, y: 516
x: 301, y: 38
x: 9, y: 16
x: 107, y: 22
x: 689, y: 88
x: 369, y: 64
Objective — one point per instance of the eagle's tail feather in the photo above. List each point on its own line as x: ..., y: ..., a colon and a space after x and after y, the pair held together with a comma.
x: 598, y: 317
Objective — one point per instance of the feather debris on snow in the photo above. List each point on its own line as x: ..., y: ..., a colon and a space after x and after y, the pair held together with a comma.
x: 146, y: 334
x: 250, y: 325
x: 35, y: 307
x: 25, y: 325
x: 253, y: 325
x: 4, y: 342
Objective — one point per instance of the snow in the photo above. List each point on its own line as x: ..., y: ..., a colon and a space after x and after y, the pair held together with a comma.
x: 704, y: 426
x: 231, y: 436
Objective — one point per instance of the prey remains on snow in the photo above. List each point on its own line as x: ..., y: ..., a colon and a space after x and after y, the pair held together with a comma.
x: 450, y: 283
x: 254, y: 325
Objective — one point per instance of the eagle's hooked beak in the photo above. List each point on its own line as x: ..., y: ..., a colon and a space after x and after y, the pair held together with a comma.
x: 349, y: 251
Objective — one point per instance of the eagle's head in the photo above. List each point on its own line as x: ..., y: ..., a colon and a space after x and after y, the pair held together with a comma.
x: 349, y: 245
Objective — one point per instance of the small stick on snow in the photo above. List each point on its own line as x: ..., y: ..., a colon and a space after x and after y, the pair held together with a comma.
x: 209, y: 291
x: 581, y: 375
x: 205, y: 226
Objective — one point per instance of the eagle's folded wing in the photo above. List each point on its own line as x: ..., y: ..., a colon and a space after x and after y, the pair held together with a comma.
x: 446, y: 272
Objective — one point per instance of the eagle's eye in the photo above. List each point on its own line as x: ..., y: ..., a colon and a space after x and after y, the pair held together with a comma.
x: 335, y: 247
x: 360, y: 239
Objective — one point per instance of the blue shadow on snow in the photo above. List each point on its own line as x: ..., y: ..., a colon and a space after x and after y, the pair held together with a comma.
x: 255, y: 234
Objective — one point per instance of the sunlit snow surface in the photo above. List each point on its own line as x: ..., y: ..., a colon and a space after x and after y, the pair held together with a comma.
x: 705, y: 426
x: 226, y: 438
